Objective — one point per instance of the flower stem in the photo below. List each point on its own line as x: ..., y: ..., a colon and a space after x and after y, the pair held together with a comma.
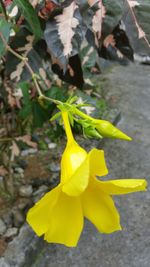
x: 68, y: 130
x: 55, y: 101
x: 83, y: 115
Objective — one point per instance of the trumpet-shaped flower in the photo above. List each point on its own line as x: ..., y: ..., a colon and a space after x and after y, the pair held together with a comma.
x: 59, y: 215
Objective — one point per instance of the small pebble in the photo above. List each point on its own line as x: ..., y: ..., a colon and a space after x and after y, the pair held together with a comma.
x: 19, y: 170
x: 55, y: 167
x: 35, y: 138
x: 18, y: 218
x: 11, y: 232
x: 2, y: 227
x: 29, y: 151
x: 22, y: 163
x: 8, y: 219
x: 38, y: 194
x: 54, y: 179
x: 52, y: 145
x: 47, y: 140
x: 37, y: 198
x: 41, y: 189
x: 18, y: 176
x: 25, y: 190
x: 26, y: 202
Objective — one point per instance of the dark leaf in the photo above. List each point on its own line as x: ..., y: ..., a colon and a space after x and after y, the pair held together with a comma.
x: 26, y: 105
x: 64, y: 34
x: 31, y: 16
x: 114, y: 11
x: 4, y: 31
x: 73, y: 74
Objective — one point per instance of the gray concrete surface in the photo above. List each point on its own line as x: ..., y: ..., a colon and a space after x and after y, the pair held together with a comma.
x: 129, y: 88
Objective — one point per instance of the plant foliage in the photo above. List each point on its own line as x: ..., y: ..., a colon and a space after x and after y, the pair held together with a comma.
x: 65, y: 38
x: 40, y: 38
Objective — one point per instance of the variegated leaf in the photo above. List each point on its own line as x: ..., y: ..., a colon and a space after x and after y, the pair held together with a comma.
x: 24, y: 51
x: 133, y: 3
x: 64, y: 34
x: 67, y: 23
x: 136, y: 21
x: 97, y: 21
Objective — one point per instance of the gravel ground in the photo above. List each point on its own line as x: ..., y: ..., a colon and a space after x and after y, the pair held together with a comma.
x: 129, y: 89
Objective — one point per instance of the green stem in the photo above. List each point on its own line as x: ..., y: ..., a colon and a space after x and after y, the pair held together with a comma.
x: 68, y: 130
x: 83, y: 115
x: 55, y: 101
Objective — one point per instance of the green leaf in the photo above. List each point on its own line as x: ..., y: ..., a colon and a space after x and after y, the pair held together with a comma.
x: 71, y: 119
x: 56, y: 116
x: 42, y: 145
x: 40, y: 115
x: 88, y: 57
x: 31, y: 107
x: 56, y: 93
x: 27, y: 107
x: 114, y: 11
x: 5, y: 31
x: 31, y: 16
x: 90, y: 132
x: 72, y: 99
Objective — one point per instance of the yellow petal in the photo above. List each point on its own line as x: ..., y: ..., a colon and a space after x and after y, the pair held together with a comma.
x: 94, y: 164
x: 124, y: 186
x: 79, y: 180
x: 99, y: 208
x: 65, y: 222
x: 37, y: 216
x: 72, y: 158
x: 97, y: 163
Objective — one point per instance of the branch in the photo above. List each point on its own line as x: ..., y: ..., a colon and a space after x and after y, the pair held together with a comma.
x: 6, y: 139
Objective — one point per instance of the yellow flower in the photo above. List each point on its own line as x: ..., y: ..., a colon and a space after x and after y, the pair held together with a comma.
x: 59, y: 215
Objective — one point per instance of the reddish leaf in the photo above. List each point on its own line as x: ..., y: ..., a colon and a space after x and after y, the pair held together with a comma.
x: 27, y: 140
x: 109, y: 40
x: 3, y: 171
x: 15, y: 151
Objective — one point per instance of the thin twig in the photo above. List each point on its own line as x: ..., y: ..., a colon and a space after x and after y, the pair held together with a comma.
x: 55, y: 101
x: 5, y: 139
